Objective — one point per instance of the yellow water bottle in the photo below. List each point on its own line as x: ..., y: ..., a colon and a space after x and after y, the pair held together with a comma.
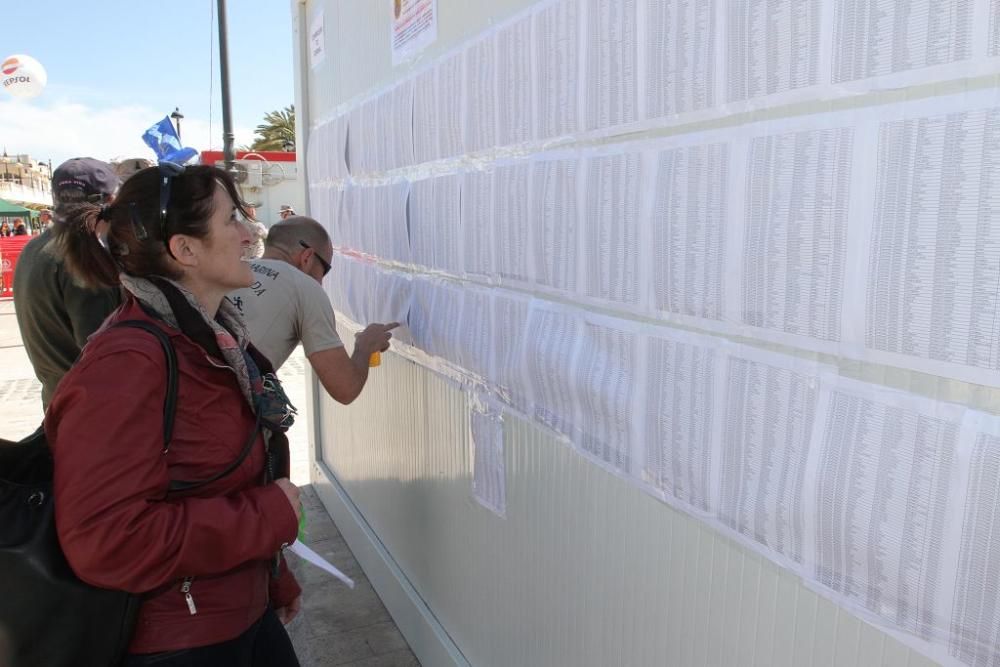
x: 375, y: 360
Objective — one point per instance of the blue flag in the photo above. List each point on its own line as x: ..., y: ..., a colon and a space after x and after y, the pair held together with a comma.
x: 163, y: 139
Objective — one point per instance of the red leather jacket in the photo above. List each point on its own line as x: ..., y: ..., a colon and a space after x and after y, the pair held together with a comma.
x: 117, y: 525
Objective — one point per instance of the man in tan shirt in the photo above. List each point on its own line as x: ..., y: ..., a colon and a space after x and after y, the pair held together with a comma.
x: 286, y: 305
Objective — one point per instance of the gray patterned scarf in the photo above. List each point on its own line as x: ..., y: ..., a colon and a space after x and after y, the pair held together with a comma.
x: 231, y: 345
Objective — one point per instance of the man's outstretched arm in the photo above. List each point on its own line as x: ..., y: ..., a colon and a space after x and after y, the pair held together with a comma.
x: 344, y: 376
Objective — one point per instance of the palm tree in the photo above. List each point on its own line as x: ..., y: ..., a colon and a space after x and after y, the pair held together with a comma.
x: 277, y: 130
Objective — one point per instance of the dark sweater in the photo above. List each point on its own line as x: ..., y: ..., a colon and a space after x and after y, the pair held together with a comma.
x: 54, y: 313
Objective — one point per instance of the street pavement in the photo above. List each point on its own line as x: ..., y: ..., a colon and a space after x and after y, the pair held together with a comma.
x: 337, y: 625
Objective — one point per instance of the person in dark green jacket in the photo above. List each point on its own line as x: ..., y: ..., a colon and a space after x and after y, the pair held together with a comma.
x: 56, y: 314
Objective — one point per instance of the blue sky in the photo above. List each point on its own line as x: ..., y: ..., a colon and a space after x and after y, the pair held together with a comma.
x: 115, y: 67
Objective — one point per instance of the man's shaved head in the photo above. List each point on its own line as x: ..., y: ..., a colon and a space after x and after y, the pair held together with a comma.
x: 285, y: 235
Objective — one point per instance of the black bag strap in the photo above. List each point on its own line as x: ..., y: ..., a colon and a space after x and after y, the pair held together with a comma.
x: 170, y: 401
x: 170, y: 408
x: 179, y: 485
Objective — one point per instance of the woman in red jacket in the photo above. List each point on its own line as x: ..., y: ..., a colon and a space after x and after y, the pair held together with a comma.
x: 207, y: 562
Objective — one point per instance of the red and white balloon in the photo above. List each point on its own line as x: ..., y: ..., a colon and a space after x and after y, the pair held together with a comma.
x: 22, y: 76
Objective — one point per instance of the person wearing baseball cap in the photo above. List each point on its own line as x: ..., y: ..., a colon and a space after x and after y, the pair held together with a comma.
x: 55, y: 313
x: 45, y: 218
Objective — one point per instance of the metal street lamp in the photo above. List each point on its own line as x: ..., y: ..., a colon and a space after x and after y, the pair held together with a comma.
x: 229, y: 155
x: 177, y: 116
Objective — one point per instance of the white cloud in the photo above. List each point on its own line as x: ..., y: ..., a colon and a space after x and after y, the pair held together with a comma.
x: 67, y: 129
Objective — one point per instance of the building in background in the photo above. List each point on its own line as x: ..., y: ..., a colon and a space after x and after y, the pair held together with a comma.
x: 267, y: 179
x: 25, y: 181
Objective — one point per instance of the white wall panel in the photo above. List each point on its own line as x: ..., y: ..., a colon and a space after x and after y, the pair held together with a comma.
x: 585, y: 569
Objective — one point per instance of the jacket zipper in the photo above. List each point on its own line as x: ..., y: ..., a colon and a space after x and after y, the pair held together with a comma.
x: 186, y: 590
x: 268, y: 461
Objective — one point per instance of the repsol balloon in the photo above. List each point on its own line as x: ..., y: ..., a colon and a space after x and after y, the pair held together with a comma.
x: 22, y: 76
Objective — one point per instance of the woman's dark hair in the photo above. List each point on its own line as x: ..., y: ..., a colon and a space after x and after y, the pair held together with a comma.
x: 136, y: 242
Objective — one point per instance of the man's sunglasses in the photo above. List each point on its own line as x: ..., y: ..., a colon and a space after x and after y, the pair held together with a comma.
x: 322, y: 262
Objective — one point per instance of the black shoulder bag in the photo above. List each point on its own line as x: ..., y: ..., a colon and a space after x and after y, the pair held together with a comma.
x: 51, y: 617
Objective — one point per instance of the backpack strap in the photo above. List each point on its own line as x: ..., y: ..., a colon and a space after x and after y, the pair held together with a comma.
x: 170, y: 401
x: 180, y: 485
x: 170, y: 408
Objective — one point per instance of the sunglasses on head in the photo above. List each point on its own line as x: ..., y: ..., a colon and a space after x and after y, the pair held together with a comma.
x: 168, y: 170
x: 322, y: 262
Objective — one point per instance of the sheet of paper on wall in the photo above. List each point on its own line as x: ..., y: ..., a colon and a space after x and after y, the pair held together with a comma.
x: 607, y: 394
x: 975, y: 618
x: 366, y: 217
x: 360, y: 139
x: 558, y: 94
x: 329, y: 212
x: 489, y: 477
x: 325, y: 153
x: 435, y: 223
x: 317, y: 39
x: 477, y: 226
x: 935, y: 243
x: 348, y: 225
x: 381, y: 221
x: 515, y: 83
x: 437, y: 118
x: 392, y: 119
x: 421, y: 223
x: 427, y: 229
x: 556, y: 225
x: 690, y: 225
x: 425, y: 116
x: 510, y: 322
x: 450, y: 89
x: 684, y: 380
x: 393, y: 294
x: 398, y: 238
x: 551, y: 346
x: 912, y: 43
x: 512, y: 223
x: 333, y: 285
x: 447, y: 335
x: 480, y: 94
x: 479, y: 334
x: 358, y: 285
x: 447, y: 211
x: 680, y: 40
x: 612, y: 67
x: 381, y: 121
x: 774, y: 48
x: 611, y: 225
x: 795, y: 231
x: 771, y: 404
x: 887, y: 488
x: 419, y: 318
x: 435, y: 316
x: 400, y: 128
x: 413, y: 27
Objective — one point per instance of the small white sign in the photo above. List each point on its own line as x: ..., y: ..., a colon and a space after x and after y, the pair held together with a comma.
x: 317, y: 39
x: 414, y: 27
